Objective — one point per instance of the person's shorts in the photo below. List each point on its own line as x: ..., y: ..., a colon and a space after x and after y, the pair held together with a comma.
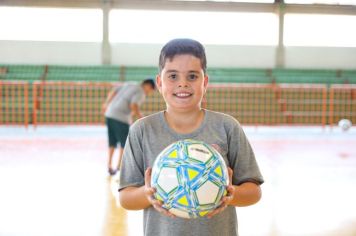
x: 117, y: 132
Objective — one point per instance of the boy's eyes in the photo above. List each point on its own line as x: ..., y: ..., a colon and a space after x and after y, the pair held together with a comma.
x: 190, y: 76
x: 172, y: 76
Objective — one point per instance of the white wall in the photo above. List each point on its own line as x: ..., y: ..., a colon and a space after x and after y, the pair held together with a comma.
x: 241, y: 56
x: 217, y: 56
x: 135, y: 54
x: 73, y: 53
x: 320, y: 57
x: 68, y: 53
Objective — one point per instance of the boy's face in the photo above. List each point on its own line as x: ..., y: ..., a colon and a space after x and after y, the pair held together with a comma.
x: 182, y: 83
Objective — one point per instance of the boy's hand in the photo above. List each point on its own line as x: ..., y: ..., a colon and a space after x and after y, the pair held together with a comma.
x: 149, y: 191
x: 225, y: 201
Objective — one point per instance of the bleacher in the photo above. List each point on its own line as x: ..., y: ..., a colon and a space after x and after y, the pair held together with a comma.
x: 239, y: 75
x: 111, y: 73
x: 73, y: 94
x: 349, y: 76
x: 22, y: 72
x: 83, y: 73
x: 76, y: 73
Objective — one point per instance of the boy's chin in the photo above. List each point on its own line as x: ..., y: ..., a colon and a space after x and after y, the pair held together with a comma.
x: 185, y: 107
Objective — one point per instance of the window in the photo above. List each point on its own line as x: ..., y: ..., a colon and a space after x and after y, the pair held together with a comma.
x: 252, y: 1
x: 330, y: 2
x: 319, y: 30
x: 50, y: 24
x: 143, y: 26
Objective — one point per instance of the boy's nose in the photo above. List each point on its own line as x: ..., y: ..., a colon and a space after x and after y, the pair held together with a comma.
x: 183, y: 86
x: 183, y: 83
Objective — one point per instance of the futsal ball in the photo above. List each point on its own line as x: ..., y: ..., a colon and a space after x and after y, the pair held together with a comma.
x: 190, y: 178
x: 345, y: 124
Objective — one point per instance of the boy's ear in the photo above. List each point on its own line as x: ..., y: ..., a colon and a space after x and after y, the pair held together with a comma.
x: 159, y: 82
x: 206, y: 81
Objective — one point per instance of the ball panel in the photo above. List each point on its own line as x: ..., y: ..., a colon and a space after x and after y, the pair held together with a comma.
x: 167, y: 179
x: 179, y: 213
x: 203, y: 213
x: 207, y: 193
x: 173, y: 154
x: 192, y: 173
x: 218, y: 171
x: 183, y: 201
x: 199, y: 152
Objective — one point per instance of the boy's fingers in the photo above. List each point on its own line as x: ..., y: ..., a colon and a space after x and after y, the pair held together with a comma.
x: 164, y: 212
x: 158, y: 206
x: 229, y: 197
x: 230, y: 173
x: 217, y: 211
x: 148, y: 177
x: 224, y: 202
x: 149, y: 192
x: 230, y: 191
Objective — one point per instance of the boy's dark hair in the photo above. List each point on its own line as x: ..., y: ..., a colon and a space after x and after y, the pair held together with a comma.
x: 150, y: 82
x: 182, y: 46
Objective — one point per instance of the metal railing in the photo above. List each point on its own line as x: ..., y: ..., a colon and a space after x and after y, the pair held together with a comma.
x: 50, y: 102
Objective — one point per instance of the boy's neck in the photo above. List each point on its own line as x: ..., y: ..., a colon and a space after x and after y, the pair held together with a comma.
x: 184, y: 122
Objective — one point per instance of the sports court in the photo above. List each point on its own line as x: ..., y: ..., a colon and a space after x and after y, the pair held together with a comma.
x: 285, y: 69
x: 54, y: 182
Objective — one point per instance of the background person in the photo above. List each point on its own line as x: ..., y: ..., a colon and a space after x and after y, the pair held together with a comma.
x: 121, y: 107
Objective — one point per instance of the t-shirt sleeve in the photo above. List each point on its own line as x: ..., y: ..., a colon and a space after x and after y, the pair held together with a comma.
x: 132, y: 168
x: 242, y: 158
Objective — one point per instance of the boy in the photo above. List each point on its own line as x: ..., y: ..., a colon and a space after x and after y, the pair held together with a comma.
x: 120, y: 107
x: 182, y: 81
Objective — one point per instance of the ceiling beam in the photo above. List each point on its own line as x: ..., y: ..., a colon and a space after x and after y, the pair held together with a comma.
x: 187, y: 6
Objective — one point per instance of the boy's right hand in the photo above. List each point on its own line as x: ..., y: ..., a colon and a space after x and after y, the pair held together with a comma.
x: 149, y: 193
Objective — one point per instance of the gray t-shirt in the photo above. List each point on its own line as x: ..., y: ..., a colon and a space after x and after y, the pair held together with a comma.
x: 119, y: 107
x: 150, y: 135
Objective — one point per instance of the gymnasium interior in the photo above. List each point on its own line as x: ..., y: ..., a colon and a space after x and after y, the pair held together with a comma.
x: 285, y: 69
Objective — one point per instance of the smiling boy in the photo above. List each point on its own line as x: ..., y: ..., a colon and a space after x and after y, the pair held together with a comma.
x: 182, y: 81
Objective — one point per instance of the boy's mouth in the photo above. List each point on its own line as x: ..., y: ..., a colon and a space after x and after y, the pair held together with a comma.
x: 183, y: 95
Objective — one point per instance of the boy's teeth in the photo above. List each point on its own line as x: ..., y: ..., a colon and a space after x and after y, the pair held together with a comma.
x: 183, y: 94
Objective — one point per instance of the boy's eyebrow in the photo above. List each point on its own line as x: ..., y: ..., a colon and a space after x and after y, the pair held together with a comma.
x: 194, y: 71
x: 171, y: 71
x: 175, y: 71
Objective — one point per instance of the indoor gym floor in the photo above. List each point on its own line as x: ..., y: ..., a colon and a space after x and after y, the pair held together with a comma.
x: 53, y: 182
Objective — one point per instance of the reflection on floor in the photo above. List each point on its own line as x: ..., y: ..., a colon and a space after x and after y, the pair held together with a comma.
x: 53, y: 181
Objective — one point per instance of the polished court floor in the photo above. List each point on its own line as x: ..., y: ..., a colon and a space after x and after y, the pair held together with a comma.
x: 53, y: 181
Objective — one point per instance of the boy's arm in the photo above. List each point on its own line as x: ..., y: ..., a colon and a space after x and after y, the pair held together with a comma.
x: 245, y: 194
x: 134, y: 198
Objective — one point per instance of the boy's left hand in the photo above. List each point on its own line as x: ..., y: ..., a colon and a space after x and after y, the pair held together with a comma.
x: 225, y: 201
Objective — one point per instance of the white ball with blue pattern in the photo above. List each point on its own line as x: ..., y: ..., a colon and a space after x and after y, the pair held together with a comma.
x: 190, y: 178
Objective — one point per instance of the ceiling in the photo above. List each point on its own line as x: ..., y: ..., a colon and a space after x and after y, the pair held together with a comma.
x: 200, y: 5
